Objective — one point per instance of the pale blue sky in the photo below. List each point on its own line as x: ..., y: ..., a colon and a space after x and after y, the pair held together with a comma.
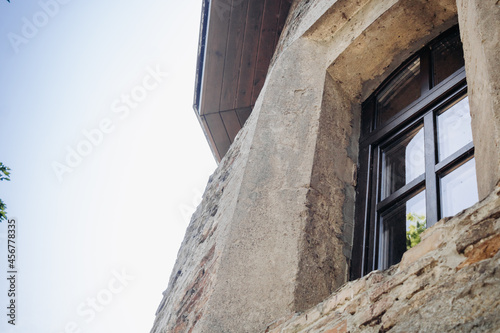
x: 123, y: 206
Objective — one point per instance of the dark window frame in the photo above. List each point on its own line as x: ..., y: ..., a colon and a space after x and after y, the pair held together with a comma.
x: 423, y: 110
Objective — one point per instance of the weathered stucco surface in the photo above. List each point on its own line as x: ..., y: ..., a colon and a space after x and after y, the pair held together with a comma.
x: 447, y: 283
x: 480, y: 32
x: 273, y: 234
x: 198, y: 261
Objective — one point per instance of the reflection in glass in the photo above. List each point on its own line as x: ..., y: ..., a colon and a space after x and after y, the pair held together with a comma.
x: 454, y: 128
x: 448, y: 57
x: 400, y: 230
x: 403, y: 89
x: 403, y: 161
x: 459, y: 189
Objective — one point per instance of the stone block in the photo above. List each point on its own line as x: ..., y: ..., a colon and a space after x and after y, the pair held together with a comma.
x: 433, y: 240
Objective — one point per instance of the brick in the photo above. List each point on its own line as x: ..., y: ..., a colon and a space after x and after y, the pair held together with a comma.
x: 339, y: 328
x: 481, y: 251
x: 430, y: 243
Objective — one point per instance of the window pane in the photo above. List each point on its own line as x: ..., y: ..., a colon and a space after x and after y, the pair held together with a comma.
x: 403, y: 89
x: 459, y: 189
x: 401, y: 229
x: 454, y: 128
x: 448, y: 57
x: 367, y: 116
x: 403, y: 161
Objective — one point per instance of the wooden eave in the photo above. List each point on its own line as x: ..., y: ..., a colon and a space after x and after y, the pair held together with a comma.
x: 237, y: 42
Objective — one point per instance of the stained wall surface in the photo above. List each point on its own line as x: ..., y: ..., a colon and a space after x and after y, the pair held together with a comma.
x: 447, y: 283
x: 273, y: 234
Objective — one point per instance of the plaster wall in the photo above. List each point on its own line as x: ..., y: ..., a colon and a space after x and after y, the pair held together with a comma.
x: 480, y: 34
x: 447, y: 283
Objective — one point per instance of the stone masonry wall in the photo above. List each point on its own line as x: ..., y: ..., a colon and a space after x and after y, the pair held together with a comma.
x: 450, y: 282
x: 273, y: 233
x: 195, y: 271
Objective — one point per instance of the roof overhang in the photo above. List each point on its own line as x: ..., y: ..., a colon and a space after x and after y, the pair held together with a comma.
x: 237, y: 42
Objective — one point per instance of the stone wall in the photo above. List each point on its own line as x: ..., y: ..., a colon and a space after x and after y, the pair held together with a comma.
x: 450, y: 282
x: 274, y: 232
x: 480, y: 33
x: 195, y: 272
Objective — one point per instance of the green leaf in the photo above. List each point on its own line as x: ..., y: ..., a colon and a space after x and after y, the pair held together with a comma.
x: 5, y: 170
x: 416, y: 227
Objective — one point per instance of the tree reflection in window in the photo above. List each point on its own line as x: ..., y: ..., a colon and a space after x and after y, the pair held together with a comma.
x: 415, y: 225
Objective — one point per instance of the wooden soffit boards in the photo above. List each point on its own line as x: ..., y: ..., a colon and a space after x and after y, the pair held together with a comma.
x: 237, y: 42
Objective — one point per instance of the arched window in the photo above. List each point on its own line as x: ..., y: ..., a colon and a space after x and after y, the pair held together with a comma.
x: 416, y: 154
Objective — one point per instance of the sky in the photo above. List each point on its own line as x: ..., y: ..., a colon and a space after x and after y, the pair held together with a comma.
x: 107, y: 158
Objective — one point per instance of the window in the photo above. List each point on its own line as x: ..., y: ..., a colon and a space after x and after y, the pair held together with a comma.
x: 416, y: 155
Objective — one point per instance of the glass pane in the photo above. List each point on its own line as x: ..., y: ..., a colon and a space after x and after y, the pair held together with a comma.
x: 403, y: 161
x: 367, y: 117
x: 454, y: 128
x: 401, y: 229
x: 448, y: 57
x: 403, y: 89
x: 459, y: 189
